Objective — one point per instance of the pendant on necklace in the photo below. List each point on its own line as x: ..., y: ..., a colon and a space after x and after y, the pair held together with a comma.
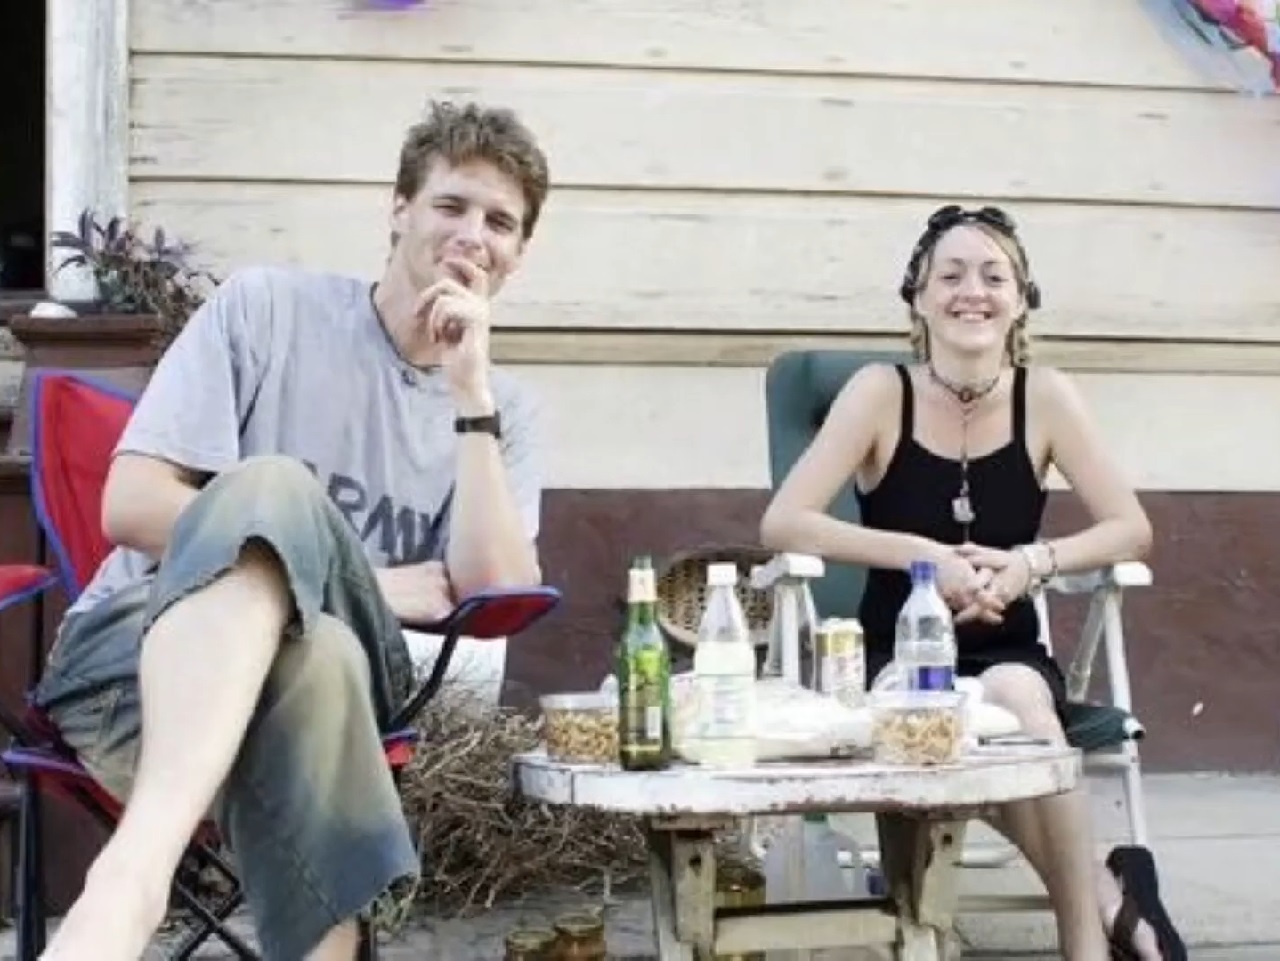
x: 962, y: 510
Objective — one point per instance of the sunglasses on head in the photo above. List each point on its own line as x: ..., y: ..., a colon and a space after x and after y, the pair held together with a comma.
x: 944, y: 218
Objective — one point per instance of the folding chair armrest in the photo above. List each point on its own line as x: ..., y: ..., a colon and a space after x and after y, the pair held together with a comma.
x: 22, y: 582
x: 787, y: 576
x: 19, y: 583
x: 485, y: 615
x: 498, y: 612
x: 786, y: 566
x: 1122, y: 575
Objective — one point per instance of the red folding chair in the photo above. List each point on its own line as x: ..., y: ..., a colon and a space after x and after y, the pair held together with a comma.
x: 76, y: 423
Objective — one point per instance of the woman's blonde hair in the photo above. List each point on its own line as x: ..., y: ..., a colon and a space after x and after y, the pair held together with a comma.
x: 998, y: 226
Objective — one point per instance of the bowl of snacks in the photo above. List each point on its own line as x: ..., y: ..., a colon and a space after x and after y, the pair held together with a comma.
x: 917, y: 727
x: 580, y: 728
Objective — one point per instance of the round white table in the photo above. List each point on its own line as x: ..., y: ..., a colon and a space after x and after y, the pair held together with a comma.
x: 921, y: 814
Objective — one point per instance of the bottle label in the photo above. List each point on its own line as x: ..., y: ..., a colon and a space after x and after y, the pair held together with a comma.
x: 653, y: 722
x: 725, y: 703
x: 931, y: 679
x: 930, y: 627
x: 641, y: 586
x: 642, y: 700
x: 642, y: 721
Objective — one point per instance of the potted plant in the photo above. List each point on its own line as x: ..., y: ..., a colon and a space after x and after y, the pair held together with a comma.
x: 146, y: 291
x: 134, y: 274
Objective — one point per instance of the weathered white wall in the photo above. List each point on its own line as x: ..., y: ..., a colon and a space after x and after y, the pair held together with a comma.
x: 656, y: 427
x: 732, y: 176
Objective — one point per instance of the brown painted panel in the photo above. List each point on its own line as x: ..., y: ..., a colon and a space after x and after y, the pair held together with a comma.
x: 1204, y: 634
x: 589, y: 536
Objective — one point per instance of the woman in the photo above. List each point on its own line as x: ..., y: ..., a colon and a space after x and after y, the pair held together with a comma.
x: 949, y: 457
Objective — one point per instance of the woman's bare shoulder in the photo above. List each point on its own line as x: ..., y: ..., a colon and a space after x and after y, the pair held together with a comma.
x: 876, y: 381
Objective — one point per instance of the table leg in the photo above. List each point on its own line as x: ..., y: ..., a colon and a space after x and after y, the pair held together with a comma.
x: 682, y: 877
x: 920, y: 856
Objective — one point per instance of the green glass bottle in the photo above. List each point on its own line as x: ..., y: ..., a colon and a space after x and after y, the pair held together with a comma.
x: 644, y: 678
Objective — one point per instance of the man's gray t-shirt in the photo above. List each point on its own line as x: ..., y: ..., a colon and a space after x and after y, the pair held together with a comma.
x: 291, y: 362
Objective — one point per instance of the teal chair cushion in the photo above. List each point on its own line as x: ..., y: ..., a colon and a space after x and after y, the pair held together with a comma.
x: 800, y: 387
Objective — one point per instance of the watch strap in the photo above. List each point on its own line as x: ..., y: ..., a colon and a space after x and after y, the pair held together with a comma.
x: 487, y: 424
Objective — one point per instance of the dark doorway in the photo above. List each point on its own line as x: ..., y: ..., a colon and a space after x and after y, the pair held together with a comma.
x: 22, y: 133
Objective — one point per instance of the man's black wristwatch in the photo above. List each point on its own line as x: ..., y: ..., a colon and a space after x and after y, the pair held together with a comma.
x: 488, y: 424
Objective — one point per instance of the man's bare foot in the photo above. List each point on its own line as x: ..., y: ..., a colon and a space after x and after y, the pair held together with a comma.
x: 113, y: 919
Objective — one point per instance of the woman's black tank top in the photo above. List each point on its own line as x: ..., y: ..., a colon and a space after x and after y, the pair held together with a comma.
x: 915, y: 497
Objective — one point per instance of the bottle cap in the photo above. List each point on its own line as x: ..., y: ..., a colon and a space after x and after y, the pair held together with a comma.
x: 641, y: 584
x: 722, y: 575
x: 923, y: 572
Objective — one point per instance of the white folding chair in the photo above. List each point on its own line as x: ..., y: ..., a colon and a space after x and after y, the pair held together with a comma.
x: 1106, y: 733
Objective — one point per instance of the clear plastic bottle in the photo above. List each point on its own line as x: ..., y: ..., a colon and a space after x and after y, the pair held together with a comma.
x: 925, y: 640
x: 724, y: 668
x: 813, y: 871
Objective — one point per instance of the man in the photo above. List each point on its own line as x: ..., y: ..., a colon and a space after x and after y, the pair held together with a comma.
x: 316, y: 462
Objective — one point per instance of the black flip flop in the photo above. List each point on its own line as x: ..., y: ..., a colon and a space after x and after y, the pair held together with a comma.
x: 1135, y: 870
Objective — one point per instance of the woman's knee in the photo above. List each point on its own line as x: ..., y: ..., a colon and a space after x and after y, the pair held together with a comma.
x: 1024, y: 692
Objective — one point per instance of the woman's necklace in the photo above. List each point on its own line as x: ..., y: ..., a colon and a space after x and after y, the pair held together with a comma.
x: 968, y: 397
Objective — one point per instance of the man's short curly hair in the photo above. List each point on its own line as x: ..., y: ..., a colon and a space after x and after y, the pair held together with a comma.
x: 459, y: 133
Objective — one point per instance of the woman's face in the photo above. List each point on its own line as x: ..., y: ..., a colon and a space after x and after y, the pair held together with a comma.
x: 971, y: 293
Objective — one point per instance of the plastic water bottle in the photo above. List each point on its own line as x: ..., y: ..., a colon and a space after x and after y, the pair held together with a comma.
x: 724, y: 668
x: 808, y: 865
x: 925, y: 641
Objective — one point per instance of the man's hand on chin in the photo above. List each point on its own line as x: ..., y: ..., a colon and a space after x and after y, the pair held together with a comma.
x: 455, y: 310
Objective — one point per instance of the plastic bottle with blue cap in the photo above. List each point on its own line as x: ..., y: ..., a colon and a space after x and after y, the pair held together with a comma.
x: 925, y: 641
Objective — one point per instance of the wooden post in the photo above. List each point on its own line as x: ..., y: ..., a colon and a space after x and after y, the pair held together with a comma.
x: 87, y: 162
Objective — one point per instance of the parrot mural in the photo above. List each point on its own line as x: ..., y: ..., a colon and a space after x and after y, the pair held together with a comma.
x: 1238, y: 39
x: 1255, y: 23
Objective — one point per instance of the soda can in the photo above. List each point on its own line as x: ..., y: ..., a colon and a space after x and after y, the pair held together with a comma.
x: 840, y: 661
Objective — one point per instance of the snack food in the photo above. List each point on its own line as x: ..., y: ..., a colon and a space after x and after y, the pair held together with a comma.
x: 917, y: 727
x: 581, y: 728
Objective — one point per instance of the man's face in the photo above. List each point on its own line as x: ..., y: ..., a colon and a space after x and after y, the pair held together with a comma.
x: 472, y: 211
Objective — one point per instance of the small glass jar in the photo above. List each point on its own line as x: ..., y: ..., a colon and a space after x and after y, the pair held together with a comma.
x: 579, y: 937
x: 740, y: 883
x: 530, y: 944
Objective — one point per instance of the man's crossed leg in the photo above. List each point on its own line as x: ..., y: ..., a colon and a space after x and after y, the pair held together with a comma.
x: 247, y: 678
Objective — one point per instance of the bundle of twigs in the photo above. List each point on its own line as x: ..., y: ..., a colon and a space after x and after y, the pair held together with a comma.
x: 480, y: 842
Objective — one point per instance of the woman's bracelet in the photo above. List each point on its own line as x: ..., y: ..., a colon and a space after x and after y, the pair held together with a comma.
x: 1053, y: 559
x: 1033, y: 581
x: 1038, y: 574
